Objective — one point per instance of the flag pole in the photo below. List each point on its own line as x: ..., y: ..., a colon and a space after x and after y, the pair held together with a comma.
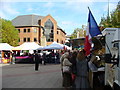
x: 102, y: 36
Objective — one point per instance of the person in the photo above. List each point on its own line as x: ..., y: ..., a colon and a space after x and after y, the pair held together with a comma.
x: 93, y: 65
x: 73, y: 67
x: 81, y: 80
x: 13, y: 58
x: 67, y: 79
x: 61, y: 60
x: 44, y: 58
x: 36, y: 59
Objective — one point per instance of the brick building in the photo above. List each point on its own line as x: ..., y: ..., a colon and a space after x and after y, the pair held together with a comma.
x: 30, y: 30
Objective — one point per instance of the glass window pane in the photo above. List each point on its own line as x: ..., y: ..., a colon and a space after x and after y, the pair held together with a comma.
x: 24, y: 30
x: 49, y: 30
x: 35, y: 39
x: 28, y: 39
x: 24, y: 39
x: 28, y: 30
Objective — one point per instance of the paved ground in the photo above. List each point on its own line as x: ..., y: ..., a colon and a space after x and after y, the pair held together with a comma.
x: 24, y: 76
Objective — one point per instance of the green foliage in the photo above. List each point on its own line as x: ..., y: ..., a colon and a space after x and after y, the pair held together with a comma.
x: 74, y: 34
x: 8, y: 33
x: 113, y: 20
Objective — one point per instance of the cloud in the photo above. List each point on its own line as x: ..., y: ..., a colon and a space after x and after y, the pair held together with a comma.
x: 79, y: 6
x: 2, y: 15
x: 112, y: 6
x: 49, y: 8
x: 59, y: 0
x: 30, y: 9
x: 49, y: 5
x: 69, y: 23
x: 7, y: 10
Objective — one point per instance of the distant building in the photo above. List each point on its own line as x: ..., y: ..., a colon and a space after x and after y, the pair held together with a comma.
x: 82, y: 32
x: 67, y: 38
x: 80, y: 40
x: 30, y: 30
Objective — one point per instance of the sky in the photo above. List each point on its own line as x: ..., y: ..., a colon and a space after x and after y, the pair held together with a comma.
x: 69, y: 14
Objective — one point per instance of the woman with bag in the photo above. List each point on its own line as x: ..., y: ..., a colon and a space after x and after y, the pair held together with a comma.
x: 67, y: 79
x: 81, y: 81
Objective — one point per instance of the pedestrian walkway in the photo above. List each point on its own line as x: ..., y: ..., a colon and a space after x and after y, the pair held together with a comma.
x: 24, y: 76
x: 1, y: 65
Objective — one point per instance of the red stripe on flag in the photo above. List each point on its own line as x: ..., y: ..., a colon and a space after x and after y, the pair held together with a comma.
x: 87, y: 45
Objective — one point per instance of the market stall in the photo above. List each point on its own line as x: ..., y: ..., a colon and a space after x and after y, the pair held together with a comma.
x: 5, y: 51
x: 54, y: 45
x: 26, y: 49
x: 27, y: 46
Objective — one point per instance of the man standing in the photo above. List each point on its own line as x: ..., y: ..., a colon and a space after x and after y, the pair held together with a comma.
x: 36, y: 59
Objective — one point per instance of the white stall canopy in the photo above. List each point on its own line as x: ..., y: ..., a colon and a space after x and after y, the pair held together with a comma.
x: 54, y: 45
x: 5, y: 46
x: 28, y: 46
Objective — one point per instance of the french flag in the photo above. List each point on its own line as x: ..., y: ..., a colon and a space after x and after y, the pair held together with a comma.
x: 92, y: 30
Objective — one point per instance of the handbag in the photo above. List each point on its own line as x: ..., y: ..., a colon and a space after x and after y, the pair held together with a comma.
x: 66, y: 69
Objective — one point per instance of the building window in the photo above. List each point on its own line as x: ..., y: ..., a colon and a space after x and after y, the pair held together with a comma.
x: 35, y: 39
x: 48, y: 40
x: 62, y: 42
x: 49, y: 30
x: 35, y: 30
x: 51, y: 39
x: 19, y: 30
x: 57, y: 41
x: 51, y: 35
x: 24, y: 39
x: 24, y: 30
x: 19, y: 39
x: 28, y: 30
x: 57, y: 32
x: 49, y: 24
x: 28, y: 39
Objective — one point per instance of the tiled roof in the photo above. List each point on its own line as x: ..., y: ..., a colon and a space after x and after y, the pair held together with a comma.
x: 26, y: 20
x: 29, y: 20
x: 59, y: 28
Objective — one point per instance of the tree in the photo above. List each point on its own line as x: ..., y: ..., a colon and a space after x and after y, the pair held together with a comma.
x: 79, y: 31
x: 8, y: 33
x: 113, y: 20
x: 74, y: 34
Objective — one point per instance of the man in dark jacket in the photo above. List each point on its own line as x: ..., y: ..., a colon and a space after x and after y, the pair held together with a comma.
x: 36, y: 59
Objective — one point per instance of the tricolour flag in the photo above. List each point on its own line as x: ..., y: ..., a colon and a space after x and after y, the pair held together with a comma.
x: 92, y: 30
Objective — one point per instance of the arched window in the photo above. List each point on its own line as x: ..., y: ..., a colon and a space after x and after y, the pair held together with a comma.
x: 49, y: 26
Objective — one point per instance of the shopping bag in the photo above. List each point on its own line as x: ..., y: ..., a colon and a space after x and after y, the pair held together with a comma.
x: 66, y: 69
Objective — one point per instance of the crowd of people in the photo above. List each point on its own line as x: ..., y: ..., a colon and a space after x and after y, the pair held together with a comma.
x: 75, y: 67
x: 45, y: 58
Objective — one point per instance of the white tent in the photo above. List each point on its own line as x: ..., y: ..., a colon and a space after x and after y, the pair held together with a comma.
x: 5, y: 46
x: 54, y: 45
x: 27, y: 46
